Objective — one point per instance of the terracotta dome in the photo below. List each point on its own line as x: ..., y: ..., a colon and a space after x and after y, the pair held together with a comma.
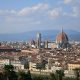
x: 62, y: 39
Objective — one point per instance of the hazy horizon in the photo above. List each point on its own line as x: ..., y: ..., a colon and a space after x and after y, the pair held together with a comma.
x: 46, y: 35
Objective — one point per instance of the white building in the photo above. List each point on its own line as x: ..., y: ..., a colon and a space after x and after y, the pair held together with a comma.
x: 16, y: 63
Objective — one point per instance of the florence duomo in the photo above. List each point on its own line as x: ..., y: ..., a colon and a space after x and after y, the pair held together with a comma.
x: 62, y: 40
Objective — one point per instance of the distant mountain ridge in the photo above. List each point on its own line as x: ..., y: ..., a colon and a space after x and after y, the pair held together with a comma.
x: 46, y: 35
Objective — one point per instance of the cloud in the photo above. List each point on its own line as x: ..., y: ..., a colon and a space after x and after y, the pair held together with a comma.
x: 13, y: 11
x: 55, y: 12
x: 34, y: 8
x: 75, y: 12
x: 71, y: 8
x: 68, y: 1
x: 21, y: 20
x: 7, y: 12
x: 26, y: 10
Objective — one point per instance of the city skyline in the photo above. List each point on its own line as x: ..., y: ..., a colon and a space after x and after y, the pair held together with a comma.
x: 18, y: 16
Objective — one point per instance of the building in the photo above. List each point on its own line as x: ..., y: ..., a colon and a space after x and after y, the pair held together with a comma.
x: 4, y: 62
x: 32, y: 67
x: 4, y: 48
x: 16, y: 63
x: 46, y: 44
x: 38, y: 40
x: 73, y: 65
x: 62, y: 40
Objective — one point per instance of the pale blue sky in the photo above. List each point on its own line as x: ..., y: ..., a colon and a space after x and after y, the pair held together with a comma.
x: 18, y: 16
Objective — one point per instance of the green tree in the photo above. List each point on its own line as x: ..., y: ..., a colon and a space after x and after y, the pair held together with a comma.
x: 77, y: 73
x: 28, y: 75
x: 38, y: 78
x: 21, y: 75
x: 69, y: 78
x: 24, y: 76
x: 9, y: 73
x: 26, y: 65
x: 53, y: 76
x: 60, y: 74
x: 1, y: 76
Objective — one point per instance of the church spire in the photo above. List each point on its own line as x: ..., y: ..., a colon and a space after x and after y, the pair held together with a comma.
x: 62, y: 33
x: 62, y: 30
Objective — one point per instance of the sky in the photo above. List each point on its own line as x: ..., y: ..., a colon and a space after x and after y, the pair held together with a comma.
x: 18, y: 16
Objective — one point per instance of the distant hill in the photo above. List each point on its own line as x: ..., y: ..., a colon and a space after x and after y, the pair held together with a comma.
x: 46, y: 35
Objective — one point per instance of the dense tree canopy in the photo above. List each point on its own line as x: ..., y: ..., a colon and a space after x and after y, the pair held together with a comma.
x: 9, y: 74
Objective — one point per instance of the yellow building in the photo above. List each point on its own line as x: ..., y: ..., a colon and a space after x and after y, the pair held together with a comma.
x: 32, y: 67
x: 73, y: 65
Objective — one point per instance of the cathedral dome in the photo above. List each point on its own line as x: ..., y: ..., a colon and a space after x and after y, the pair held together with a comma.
x: 62, y: 39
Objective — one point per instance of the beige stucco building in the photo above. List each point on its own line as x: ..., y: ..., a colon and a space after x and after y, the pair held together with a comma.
x: 73, y: 65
